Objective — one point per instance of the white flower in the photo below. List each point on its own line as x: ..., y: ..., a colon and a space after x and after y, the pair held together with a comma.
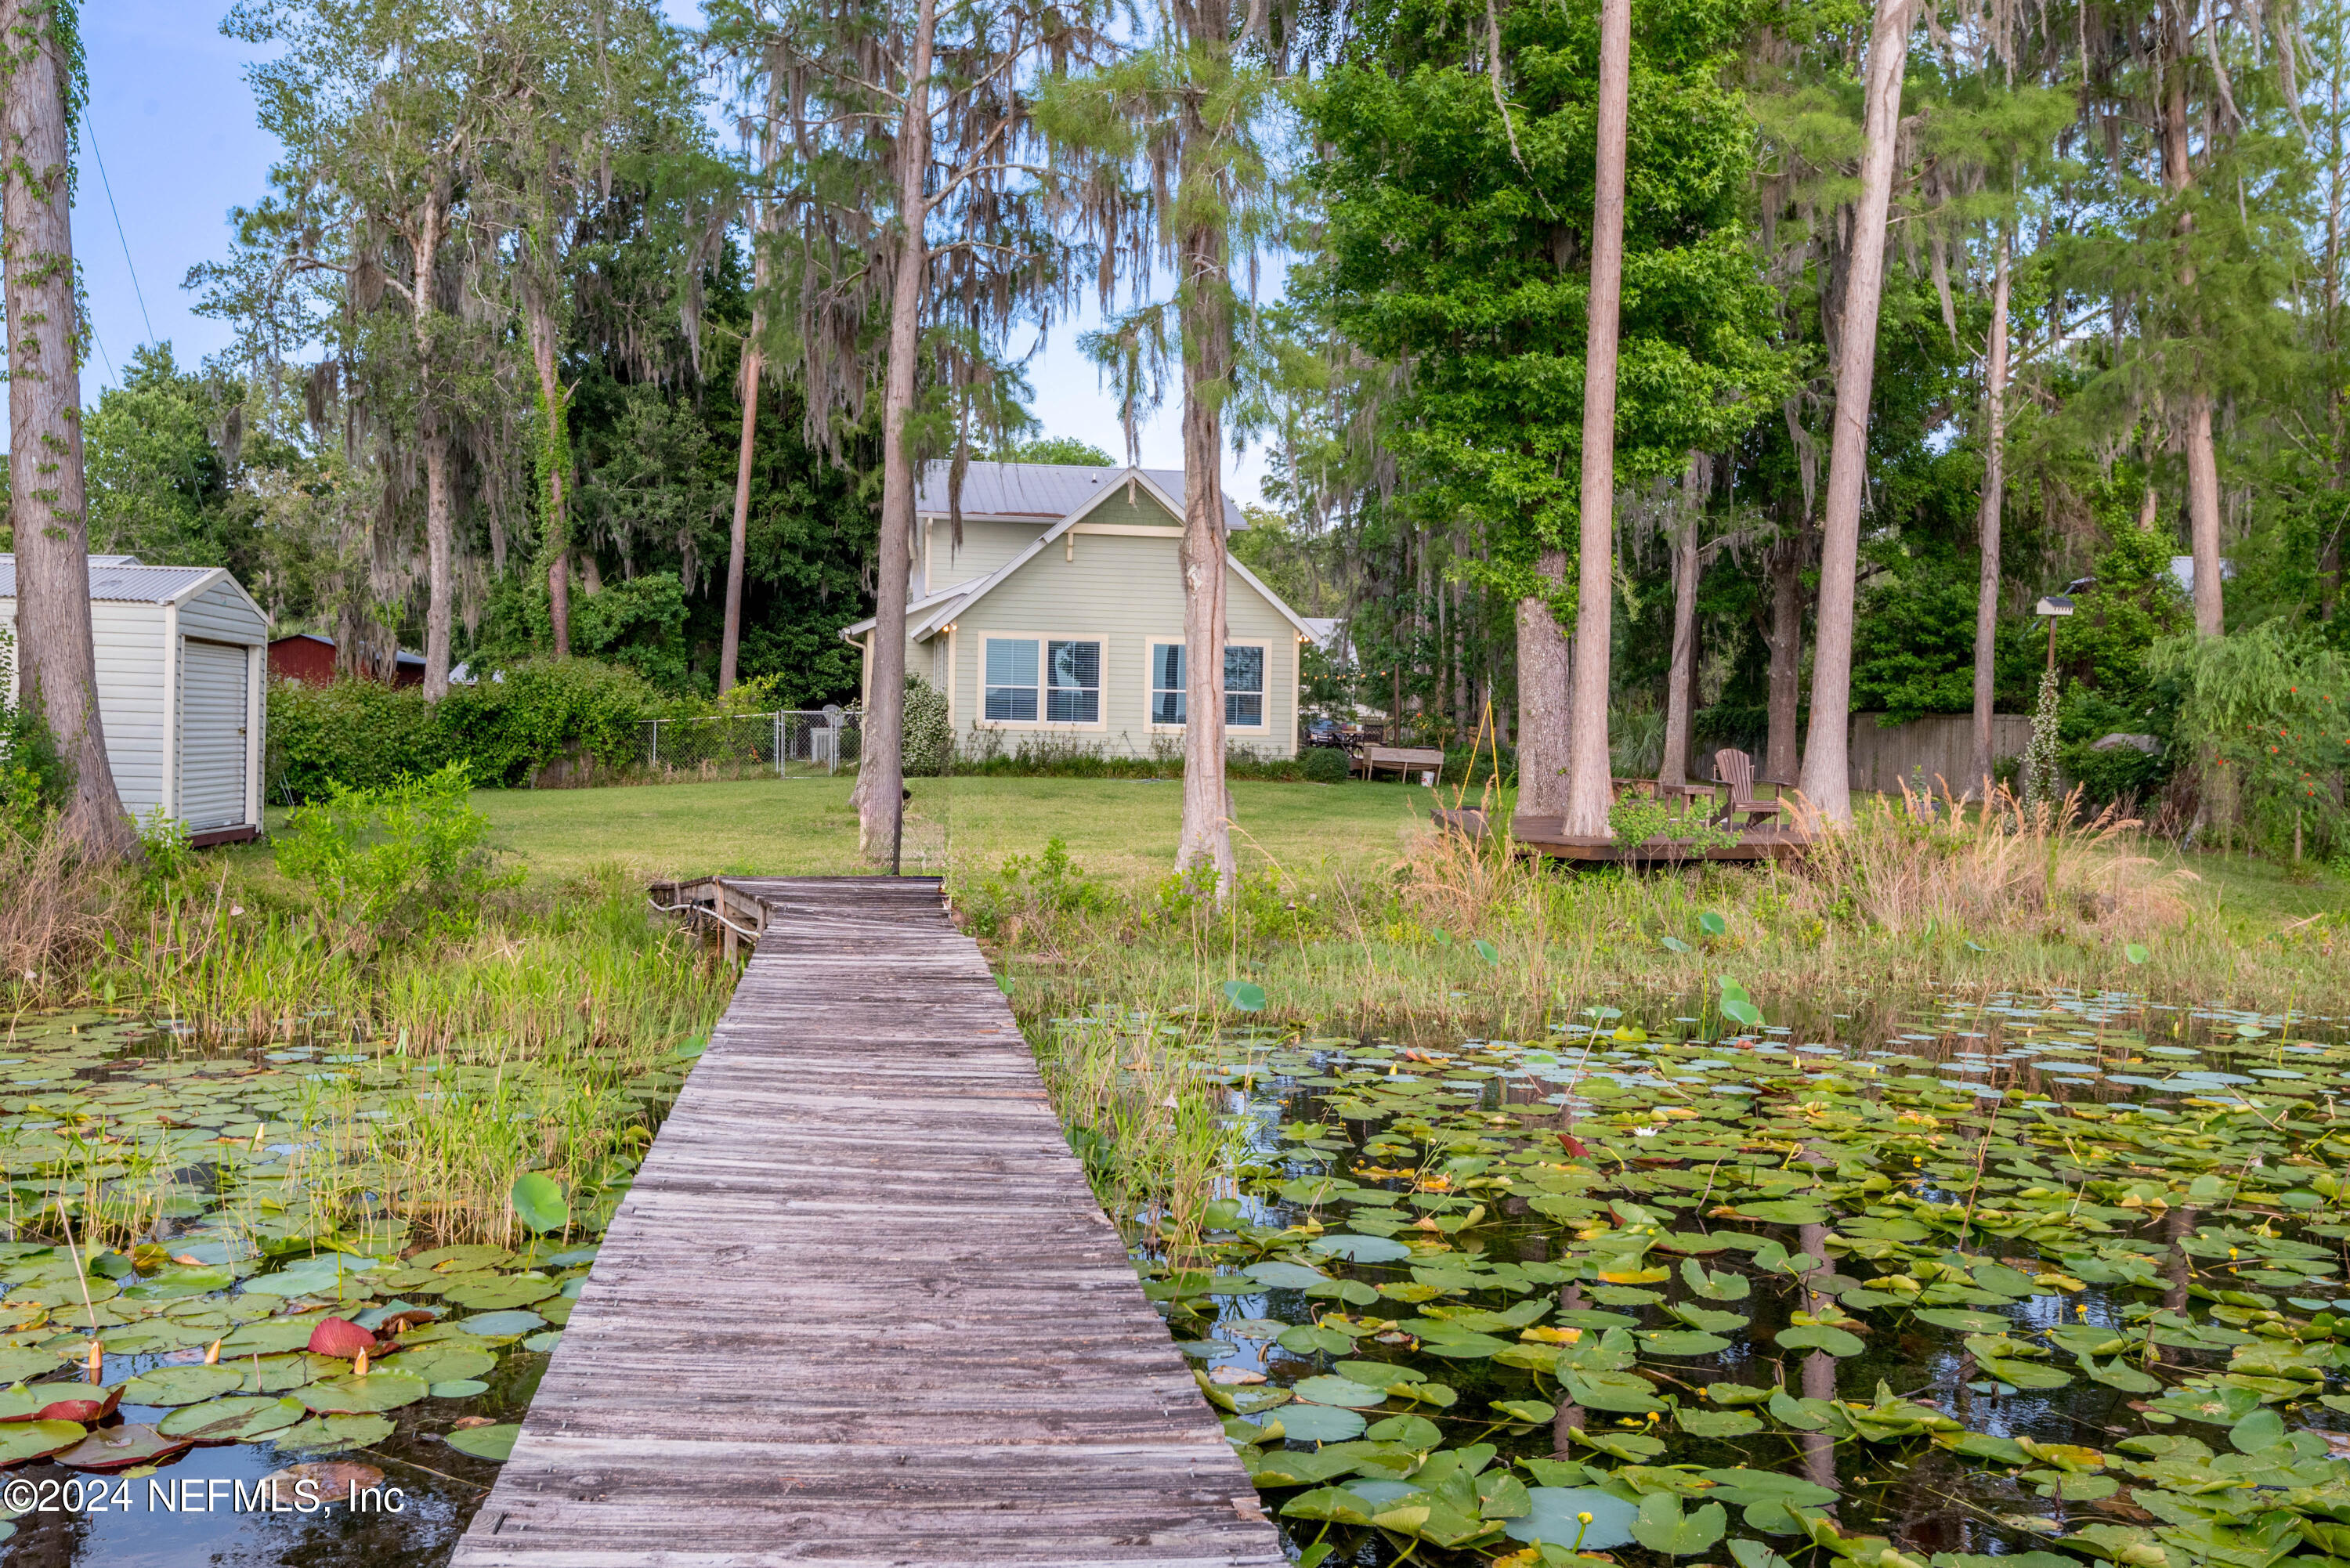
x: 236, y: 909
x: 1644, y: 1132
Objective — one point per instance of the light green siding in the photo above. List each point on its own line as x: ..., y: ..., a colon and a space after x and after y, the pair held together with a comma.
x: 986, y: 547
x: 1126, y: 592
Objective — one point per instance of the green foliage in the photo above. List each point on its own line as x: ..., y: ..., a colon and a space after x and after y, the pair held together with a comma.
x: 504, y: 730
x: 407, y: 858
x: 1326, y: 764
x: 1048, y: 884
x: 2270, y: 708
x: 1454, y: 238
x: 158, y: 485
x: 165, y: 840
x: 2040, y: 753
x: 639, y: 623
x: 35, y: 779
x: 1067, y: 449
x: 930, y: 737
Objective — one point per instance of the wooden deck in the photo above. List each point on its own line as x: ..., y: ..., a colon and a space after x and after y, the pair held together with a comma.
x: 860, y: 1306
x: 1541, y: 836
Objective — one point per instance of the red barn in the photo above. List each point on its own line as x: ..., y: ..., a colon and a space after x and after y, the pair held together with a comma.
x: 309, y: 658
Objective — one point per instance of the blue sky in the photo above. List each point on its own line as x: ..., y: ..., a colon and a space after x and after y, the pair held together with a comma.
x: 172, y: 121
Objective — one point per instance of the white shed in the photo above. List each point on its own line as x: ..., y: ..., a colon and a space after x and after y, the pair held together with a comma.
x: 182, y: 675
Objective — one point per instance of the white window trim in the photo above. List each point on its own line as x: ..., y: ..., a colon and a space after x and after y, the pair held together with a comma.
x: 981, y: 637
x: 1150, y: 687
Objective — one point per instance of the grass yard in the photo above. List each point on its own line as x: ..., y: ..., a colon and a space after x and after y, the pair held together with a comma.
x: 1122, y: 830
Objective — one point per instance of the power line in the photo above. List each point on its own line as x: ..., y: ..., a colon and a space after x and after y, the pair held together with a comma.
x: 108, y: 186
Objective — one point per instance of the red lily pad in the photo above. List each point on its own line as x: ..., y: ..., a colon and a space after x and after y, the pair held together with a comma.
x: 119, y: 1448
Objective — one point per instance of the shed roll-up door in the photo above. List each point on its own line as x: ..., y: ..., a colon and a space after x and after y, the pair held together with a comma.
x: 211, y: 736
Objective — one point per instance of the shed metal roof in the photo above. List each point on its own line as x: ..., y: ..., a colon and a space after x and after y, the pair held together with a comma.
x: 121, y: 579
x: 1047, y: 491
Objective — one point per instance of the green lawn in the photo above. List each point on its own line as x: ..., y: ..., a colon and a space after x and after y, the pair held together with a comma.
x: 1124, y: 829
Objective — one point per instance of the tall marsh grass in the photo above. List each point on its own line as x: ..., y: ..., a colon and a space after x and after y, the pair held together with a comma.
x: 1452, y: 931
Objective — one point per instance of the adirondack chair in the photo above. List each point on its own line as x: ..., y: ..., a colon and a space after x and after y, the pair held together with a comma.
x: 1736, y: 769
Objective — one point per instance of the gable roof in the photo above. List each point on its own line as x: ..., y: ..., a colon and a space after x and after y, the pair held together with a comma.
x: 401, y: 657
x: 939, y: 609
x: 1044, y: 491
x: 121, y: 579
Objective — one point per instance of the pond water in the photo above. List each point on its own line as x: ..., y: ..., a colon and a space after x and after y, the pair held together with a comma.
x: 1963, y: 1280
x: 227, y: 1204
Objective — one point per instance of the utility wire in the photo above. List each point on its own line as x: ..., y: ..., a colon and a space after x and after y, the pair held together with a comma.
x: 108, y: 186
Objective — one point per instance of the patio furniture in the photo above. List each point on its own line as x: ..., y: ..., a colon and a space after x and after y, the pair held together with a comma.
x: 1736, y: 769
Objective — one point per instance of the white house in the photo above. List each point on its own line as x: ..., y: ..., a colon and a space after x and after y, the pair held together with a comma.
x: 181, y: 677
x: 1060, y: 614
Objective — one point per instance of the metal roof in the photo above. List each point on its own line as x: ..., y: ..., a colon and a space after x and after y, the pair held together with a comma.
x: 1046, y: 492
x: 121, y: 579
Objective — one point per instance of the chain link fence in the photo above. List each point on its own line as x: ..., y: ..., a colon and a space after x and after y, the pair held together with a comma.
x: 791, y: 744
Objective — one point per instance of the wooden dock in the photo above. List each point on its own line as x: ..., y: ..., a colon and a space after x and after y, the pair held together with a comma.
x: 1542, y: 835
x: 860, y: 1306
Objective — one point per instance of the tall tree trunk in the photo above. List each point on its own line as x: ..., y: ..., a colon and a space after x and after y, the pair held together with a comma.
x: 1783, y: 564
x: 1826, y: 781
x: 1994, y: 500
x: 2202, y: 460
x: 754, y: 362
x: 554, y: 402
x: 56, y: 669
x: 1207, y: 322
x: 739, y: 541
x: 880, y: 777
x: 432, y: 433
x: 1542, y: 698
x: 1680, y: 674
x: 439, y: 534
x: 1589, y: 790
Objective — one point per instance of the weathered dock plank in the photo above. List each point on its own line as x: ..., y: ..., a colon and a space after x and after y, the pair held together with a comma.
x: 860, y: 1307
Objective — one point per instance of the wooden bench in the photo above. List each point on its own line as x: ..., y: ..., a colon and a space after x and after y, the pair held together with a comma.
x: 1404, y: 760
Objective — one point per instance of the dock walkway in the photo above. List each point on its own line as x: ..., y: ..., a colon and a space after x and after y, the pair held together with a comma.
x: 860, y: 1306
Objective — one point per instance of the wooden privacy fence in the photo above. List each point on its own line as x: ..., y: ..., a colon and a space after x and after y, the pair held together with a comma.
x: 1938, y: 747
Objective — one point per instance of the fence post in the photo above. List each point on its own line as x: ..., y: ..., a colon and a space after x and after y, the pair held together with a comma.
x: 652, y: 755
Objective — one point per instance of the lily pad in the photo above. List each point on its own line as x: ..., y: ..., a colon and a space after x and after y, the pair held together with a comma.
x: 501, y: 1292
x: 378, y: 1391
x: 244, y: 1418
x: 176, y: 1386
x: 336, y: 1432
x: 1318, y: 1423
x: 22, y: 1440
x: 498, y: 1325
x: 1554, y: 1520
x: 119, y: 1448
x: 494, y: 1443
x: 460, y: 1389
x: 1360, y: 1249
x: 1340, y: 1391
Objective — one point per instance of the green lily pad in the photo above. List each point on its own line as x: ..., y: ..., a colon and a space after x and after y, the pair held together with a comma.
x: 1663, y: 1526
x: 1965, y: 1322
x: 1341, y: 1391
x: 22, y: 1440
x: 1682, y: 1342
x: 497, y: 1325
x: 1318, y: 1423
x: 1553, y: 1519
x: 1360, y: 1249
x: 1784, y: 1211
x: 1717, y: 1423
x: 494, y: 1443
x: 378, y: 1391
x: 500, y: 1292
x: 460, y: 1389
x: 1835, y: 1340
x: 446, y: 1362
x: 175, y: 1385
x: 243, y: 1418
x: 336, y: 1432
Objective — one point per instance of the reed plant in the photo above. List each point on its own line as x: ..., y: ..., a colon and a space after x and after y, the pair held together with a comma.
x: 1454, y: 932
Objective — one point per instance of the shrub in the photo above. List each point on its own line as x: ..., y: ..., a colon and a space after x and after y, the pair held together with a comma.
x: 536, y: 714
x: 1326, y: 764
x: 34, y: 777
x: 405, y: 859
x: 362, y: 735
x: 929, y: 738
x: 2266, y: 709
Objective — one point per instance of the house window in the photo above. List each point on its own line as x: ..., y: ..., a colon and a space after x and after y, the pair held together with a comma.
x: 1012, y: 678
x: 1165, y: 682
x: 1074, y: 693
x: 1244, y: 687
